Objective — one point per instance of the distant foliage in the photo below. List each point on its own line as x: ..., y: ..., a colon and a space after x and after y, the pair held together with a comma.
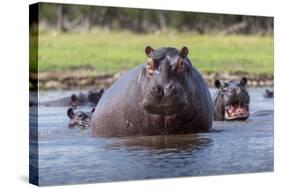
x: 68, y: 18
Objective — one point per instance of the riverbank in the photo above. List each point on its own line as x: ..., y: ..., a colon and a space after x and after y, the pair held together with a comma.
x: 116, y: 51
x: 97, y: 58
x: 75, y: 79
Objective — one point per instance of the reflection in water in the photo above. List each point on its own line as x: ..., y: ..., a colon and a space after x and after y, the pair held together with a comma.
x: 71, y: 156
x: 171, y: 143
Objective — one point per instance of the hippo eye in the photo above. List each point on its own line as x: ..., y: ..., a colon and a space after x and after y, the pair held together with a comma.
x: 179, y: 65
x: 150, y: 66
x: 224, y: 89
x: 80, y: 116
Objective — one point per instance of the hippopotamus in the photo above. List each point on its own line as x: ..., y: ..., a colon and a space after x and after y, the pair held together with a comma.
x: 231, y: 101
x: 268, y: 94
x: 167, y: 95
x: 79, y: 119
x: 91, y: 98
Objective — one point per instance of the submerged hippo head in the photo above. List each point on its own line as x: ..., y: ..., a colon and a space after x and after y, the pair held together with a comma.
x: 79, y: 119
x: 166, y: 80
x: 91, y: 98
x: 268, y: 94
x: 232, y: 100
x: 94, y: 96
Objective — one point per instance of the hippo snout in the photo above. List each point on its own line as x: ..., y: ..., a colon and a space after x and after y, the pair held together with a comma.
x: 166, y: 92
x: 170, y: 90
x: 157, y: 91
x: 164, y: 100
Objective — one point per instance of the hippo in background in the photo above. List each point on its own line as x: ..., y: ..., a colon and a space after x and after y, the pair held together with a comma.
x: 89, y: 99
x: 231, y: 101
x: 165, y: 96
x: 268, y: 94
x: 79, y: 119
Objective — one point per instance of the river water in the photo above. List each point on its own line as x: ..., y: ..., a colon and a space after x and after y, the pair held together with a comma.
x: 72, y: 156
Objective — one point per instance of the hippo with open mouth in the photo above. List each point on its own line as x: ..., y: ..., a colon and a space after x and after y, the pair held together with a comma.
x: 231, y: 101
x: 167, y: 95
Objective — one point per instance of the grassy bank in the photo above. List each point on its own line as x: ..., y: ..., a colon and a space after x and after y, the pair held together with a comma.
x: 111, y: 52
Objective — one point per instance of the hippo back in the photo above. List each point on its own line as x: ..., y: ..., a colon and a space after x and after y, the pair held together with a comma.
x: 112, y: 110
x: 202, y: 100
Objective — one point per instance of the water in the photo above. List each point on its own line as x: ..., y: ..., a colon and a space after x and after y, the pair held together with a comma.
x: 71, y: 156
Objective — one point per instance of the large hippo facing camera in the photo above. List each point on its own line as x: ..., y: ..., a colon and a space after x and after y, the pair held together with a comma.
x: 167, y: 95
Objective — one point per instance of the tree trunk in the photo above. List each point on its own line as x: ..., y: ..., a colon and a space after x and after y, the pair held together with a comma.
x: 162, y: 20
x: 140, y: 22
x: 60, y: 17
x: 91, y: 18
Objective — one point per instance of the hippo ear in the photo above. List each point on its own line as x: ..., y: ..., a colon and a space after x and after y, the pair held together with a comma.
x: 218, y: 84
x: 101, y: 91
x: 73, y: 98
x: 93, y: 109
x: 70, y: 113
x: 184, y: 52
x: 243, y: 81
x: 148, y: 51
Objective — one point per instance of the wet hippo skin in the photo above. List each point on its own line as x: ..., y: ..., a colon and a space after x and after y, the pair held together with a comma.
x: 167, y: 95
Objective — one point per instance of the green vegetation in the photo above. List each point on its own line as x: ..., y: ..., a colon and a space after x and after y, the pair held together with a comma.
x: 111, y: 52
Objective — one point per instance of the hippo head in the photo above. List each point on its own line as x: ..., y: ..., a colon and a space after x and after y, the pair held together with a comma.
x: 74, y: 100
x: 79, y: 119
x: 268, y: 94
x: 235, y: 99
x: 94, y: 97
x: 166, y: 80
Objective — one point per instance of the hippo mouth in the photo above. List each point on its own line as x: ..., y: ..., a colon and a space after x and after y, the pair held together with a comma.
x: 81, y: 124
x: 84, y: 124
x: 237, y: 111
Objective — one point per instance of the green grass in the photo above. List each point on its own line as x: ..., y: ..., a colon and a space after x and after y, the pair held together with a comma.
x: 110, y: 52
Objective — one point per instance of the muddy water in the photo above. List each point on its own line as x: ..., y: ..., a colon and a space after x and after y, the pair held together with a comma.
x: 71, y: 156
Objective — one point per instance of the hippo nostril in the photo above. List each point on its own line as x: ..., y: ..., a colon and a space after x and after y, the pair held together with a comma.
x: 170, y: 90
x: 156, y: 90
